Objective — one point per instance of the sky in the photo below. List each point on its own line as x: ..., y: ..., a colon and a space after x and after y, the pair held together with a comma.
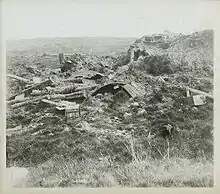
x: 73, y: 18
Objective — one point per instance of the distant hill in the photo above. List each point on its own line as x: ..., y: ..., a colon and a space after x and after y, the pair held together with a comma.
x: 93, y: 45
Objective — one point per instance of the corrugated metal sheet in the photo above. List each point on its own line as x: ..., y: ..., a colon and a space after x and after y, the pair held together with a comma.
x: 108, y: 88
x: 134, y: 90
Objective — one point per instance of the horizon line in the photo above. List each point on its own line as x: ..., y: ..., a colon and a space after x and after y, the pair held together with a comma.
x: 106, y: 36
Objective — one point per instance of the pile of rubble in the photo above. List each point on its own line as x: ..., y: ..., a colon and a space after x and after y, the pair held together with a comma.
x: 105, y: 98
x: 67, y: 94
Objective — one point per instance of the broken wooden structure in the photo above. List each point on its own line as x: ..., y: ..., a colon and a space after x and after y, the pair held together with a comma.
x: 135, y: 53
x: 71, y: 109
x: 27, y: 91
x: 65, y: 63
x: 196, y: 100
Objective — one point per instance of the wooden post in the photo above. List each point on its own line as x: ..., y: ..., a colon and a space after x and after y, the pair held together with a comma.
x: 187, y: 92
x: 61, y: 58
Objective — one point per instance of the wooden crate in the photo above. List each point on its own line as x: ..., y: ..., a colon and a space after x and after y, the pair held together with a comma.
x: 72, y: 112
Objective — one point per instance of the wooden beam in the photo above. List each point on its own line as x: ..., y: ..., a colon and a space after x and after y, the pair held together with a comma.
x: 46, y: 82
x: 201, y: 92
x: 19, y: 78
x: 16, y: 101
x: 49, y: 102
x: 29, y: 101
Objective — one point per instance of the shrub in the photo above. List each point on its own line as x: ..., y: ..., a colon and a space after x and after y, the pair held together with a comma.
x: 123, y: 59
x: 157, y: 65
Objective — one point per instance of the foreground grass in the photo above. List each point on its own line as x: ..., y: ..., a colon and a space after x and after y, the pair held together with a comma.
x: 174, y: 172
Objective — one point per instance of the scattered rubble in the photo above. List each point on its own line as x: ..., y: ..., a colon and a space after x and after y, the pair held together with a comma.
x: 76, y: 88
x: 104, y: 98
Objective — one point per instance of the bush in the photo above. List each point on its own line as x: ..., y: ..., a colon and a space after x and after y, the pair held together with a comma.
x: 123, y: 59
x: 157, y: 65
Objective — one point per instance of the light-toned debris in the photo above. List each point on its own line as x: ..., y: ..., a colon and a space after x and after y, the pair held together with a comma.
x: 61, y: 90
x: 199, y: 100
x: 161, y: 79
x: 41, y: 85
x: 127, y: 116
x: 74, y: 80
x: 37, y: 79
x: 16, y: 101
x: 86, y: 88
x: 135, y: 104
x: 201, y: 93
x: 27, y: 101
x: 49, y: 102
x: 19, y: 78
x: 196, y: 100
x: 141, y: 112
x: 72, y: 112
x: 187, y: 92
x: 85, y: 126
x: 15, y: 129
x: 134, y: 89
x: 20, y: 97
x: 66, y: 104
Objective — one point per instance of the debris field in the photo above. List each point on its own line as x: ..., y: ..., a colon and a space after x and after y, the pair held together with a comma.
x: 91, y: 106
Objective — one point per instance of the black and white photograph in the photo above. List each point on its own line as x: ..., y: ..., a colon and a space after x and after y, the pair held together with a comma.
x: 109, y: 94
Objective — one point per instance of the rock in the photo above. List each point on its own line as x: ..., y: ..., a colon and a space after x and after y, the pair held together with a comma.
x: 20, y: 97
x: 37, y: 79
x: 66, y: 129
x: 130, y: 99
x: 127, y: 116
x: 130, y: 127
x: 100, y: 110
x: 194, y: 109
x: 141, y: 112
x: 135, y: 104
x: 111, y: 76
x: 115, y: 119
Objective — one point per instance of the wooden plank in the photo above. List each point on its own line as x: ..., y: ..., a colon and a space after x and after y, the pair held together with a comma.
x: 34, y: 86
x: 37, y: 85
x: 19, y: 78
x: 16, y: 101
x: 74, y: 80
x: 27, y: 102
x: 86, y: 88
x: 49, y: 102
x: 62, y: 90
x: 201, y: 92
